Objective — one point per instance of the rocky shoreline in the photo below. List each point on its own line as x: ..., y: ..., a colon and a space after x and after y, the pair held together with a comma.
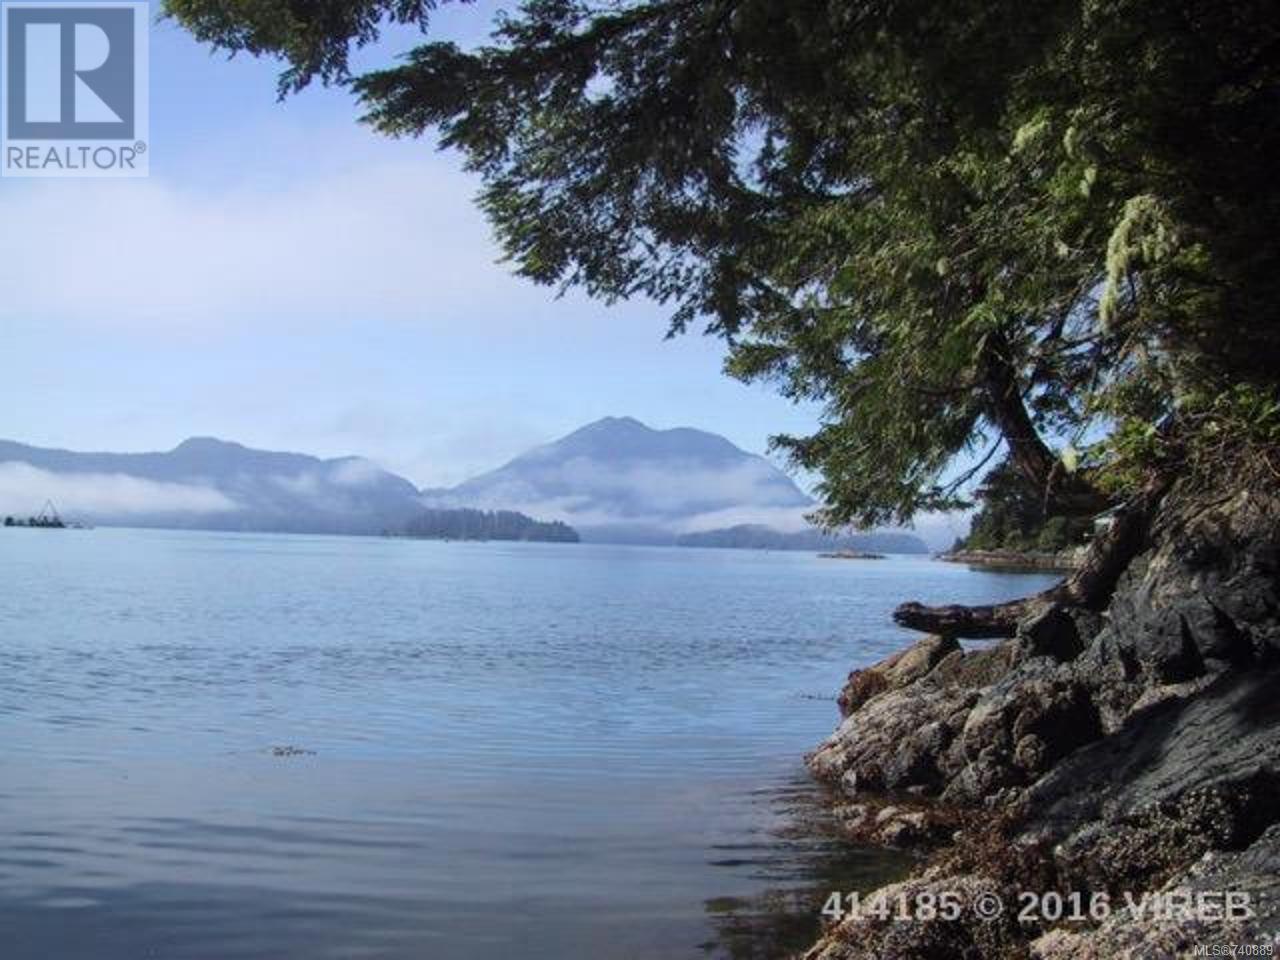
x: 1121, y: 755
x: 1052, y: 561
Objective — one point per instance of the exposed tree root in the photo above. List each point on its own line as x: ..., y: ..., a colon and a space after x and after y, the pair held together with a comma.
x: 1090, y: 586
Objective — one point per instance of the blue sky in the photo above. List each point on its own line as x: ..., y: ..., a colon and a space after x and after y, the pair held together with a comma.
x: 288, y: 279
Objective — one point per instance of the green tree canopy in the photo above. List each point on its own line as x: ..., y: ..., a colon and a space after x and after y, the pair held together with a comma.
x: 1046, y: 225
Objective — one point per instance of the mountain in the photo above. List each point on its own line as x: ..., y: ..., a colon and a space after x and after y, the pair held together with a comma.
x: 615, y: 480
x: 755, y: 537
x: 207, y: 483
x: 621, y: 481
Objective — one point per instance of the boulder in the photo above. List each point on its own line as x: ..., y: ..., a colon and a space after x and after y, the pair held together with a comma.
x: 894, y: 672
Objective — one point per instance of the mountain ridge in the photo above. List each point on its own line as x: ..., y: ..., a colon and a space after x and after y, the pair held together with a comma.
x: 208, y: 483
x: 613, y: 480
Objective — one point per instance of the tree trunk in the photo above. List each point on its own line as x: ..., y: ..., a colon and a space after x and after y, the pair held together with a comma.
x: 1064, y: 493
x: 1090, y: 586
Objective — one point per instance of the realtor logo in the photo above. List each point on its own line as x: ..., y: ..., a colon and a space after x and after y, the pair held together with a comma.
x: 75, y: 81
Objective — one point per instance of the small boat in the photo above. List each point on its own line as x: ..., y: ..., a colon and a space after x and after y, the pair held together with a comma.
x: 47, y: 519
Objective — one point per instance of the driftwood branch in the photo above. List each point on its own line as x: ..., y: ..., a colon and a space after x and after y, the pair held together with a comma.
x: 1090, y: 586
x: 976, y: 623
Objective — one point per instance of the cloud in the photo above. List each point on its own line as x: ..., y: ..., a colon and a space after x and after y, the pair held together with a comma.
x: 673, y: 488
x: 355, y: 472
x: 333, y: 489
x: 782, y: 519
x: 662, y: 492
x: 678, y: 497
x: 23, y: 488
x: 305, y: 484
x: 391, y: 240
x: 670, y: 496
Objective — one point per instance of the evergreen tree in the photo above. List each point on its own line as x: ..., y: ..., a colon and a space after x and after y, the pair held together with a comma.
x: 470, y: 524
x: 1013, y: 516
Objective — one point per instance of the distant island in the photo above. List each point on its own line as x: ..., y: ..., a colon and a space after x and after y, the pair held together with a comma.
x: 467, y: 524
x: 1059, y: 561
x: 1012, y: 531
x: 751, y: 536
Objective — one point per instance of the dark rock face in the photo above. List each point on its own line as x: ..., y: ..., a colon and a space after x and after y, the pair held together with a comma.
x: 1253, y: 873
x: 1182, y: 777
x: 1059, y: 632
x: 1202, y: 604
x: 1136, y: 748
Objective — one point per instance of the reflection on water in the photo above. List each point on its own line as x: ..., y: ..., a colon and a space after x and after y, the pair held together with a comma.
x: 222, y: 747
x: 799, y: 864
x: 790, y: 867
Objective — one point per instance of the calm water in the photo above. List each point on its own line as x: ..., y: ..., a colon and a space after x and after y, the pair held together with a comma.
x: 230, y: 746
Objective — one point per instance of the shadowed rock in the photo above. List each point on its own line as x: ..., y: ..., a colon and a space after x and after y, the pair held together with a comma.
x: 1131, y: 749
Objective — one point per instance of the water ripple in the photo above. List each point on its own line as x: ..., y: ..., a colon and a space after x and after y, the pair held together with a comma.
x: 222, y: 747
